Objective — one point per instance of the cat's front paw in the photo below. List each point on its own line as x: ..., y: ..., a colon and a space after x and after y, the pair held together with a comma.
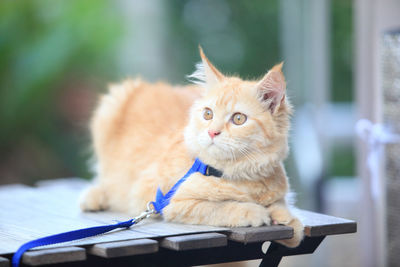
x: 281, y: 216
x: 93, y: 199
x: 251, y: 214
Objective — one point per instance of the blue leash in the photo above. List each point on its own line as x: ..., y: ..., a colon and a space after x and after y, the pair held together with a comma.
x: 159, y: 204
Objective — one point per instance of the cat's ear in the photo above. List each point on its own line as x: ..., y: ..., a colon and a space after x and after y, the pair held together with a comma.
x: 271, y: 89
x: 210, y: 73
x: 206, y: 74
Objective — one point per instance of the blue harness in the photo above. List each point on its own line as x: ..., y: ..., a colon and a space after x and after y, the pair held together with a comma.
x: 159, y: 204
x: 163, y: 200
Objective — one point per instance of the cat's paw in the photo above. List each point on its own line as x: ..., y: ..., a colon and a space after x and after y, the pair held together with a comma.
x: 281, y: 216
x: 93, y: 199
x: 298, y: 234
x: 251, y: 214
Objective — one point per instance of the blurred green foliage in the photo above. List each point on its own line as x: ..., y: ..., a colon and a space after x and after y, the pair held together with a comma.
x: 43, y: 46
x: 343, y: 159
x: 343, y: 162
x: 342, y: 50
x: 239, y: 37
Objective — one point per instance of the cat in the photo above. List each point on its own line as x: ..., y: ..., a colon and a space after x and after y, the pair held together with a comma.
x: 147, y: 136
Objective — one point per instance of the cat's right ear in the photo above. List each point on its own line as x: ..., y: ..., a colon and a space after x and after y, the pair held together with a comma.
x: 206, y: 73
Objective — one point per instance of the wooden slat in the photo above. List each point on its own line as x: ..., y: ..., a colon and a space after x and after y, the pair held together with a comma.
x: 4, y: 262
x: 158, y: 227
x: 316, y: 224
x: 64, y: 183
x: 196, y: 241
x: 11, y: 187
x: 52, y: 256
x: 259, y: 234
x: 124, y: 248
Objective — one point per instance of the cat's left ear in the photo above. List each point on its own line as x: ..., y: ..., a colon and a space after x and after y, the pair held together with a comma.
x: 271, y: 89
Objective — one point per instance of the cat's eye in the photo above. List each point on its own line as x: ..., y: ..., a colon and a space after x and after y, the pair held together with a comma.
x: 239, y: 118
x: 207, y: 114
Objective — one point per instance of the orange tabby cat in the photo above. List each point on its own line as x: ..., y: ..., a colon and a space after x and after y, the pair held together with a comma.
x: 148, y: 135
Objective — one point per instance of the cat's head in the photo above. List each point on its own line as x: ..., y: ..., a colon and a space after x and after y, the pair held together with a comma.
x: 238, y: 121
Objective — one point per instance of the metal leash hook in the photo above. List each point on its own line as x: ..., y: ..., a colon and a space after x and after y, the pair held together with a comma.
x: 145, y: 214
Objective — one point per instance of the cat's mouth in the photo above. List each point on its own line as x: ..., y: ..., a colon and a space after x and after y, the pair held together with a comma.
x: 216, y: 149
x: 212, y: 146
x: 213, y: 143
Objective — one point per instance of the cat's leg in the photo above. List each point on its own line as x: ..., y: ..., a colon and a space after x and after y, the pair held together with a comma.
x: 280, y: 214
x: 223, y: 213
x: 214, y: 189
x: 94, y: 198
x: 217, y: 189
x: 213, y: 201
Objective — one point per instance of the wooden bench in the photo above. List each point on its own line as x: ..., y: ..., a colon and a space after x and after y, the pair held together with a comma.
x: 28, y: 213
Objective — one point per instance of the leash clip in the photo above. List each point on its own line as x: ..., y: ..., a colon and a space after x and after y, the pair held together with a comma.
x: 145, y: 214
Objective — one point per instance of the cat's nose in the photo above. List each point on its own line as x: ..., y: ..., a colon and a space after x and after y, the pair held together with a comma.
x: 212, y: 133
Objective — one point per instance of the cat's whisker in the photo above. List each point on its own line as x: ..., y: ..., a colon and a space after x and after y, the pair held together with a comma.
x: 248, y: 154
x: 233, y: 154
x: 244, y: 152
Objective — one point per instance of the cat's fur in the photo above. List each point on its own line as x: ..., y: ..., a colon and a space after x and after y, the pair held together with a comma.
x: 147, y: 135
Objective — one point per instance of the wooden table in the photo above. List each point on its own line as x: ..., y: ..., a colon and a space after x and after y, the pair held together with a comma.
x: 51, y: 207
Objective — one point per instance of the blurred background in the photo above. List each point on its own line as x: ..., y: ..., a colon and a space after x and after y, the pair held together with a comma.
x: 56, y: 58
